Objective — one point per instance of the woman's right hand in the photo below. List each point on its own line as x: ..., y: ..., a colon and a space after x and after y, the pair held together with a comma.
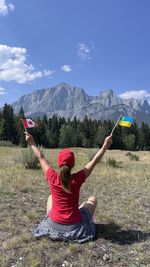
x: 108, y: 141
x: 29, y: 138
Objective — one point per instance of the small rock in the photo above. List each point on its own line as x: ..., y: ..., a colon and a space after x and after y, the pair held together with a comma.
x: 66, y: 264
x: 105, y: 257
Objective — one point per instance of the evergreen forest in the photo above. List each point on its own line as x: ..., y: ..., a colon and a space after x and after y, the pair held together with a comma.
x: 60, y: 132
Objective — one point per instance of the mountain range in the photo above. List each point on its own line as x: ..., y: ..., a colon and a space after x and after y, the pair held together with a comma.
x: 70, y: 101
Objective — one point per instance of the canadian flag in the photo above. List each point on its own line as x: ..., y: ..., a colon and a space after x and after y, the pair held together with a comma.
x: 28, y: 123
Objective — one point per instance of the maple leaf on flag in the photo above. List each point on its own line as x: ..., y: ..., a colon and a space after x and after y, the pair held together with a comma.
x: 28, y: 123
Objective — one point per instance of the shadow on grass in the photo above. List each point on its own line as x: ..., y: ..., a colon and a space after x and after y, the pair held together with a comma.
x: 114, y: 233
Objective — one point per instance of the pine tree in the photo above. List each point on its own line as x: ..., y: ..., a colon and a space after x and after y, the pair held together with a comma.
x: 67, y: 137
x: 100, y: 135
x: 144, y: 137
x: 89, y: 132
x: 129, y: 141
x: 10, y: 132
x: 43, y: 131
x: 55, y: 131
x: 2, y: 130
x: 79, y: 135
x: 135, y: 131
x: 19, y: 126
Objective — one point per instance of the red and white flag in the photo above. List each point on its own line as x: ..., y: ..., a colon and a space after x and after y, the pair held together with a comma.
x: 28, y: 123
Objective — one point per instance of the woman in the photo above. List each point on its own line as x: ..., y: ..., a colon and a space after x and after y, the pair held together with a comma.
x: 65, y: 220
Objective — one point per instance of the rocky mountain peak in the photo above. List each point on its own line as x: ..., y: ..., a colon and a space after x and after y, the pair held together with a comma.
x: 70, y: 101
x: 108, y: 98
x: 107, y: 93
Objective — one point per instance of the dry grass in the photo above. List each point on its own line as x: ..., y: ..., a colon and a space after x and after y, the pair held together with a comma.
x: 122, y: 215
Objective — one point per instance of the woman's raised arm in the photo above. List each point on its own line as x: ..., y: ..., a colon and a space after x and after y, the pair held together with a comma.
x: 44, y: 164
x: 91, y: 164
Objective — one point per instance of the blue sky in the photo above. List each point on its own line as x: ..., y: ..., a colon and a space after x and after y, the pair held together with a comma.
x: 92, y: 44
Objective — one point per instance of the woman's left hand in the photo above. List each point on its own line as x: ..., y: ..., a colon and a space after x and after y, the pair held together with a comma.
x: 29, y: 138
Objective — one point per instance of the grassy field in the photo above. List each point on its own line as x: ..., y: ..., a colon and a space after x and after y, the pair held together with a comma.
x: 122, y: 186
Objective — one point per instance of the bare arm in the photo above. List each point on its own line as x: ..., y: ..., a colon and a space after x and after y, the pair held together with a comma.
x: 91, y: 164
x: 44, y: 164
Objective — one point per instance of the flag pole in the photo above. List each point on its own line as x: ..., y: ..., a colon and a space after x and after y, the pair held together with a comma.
x: 24, y: 126
x: 116, y: 124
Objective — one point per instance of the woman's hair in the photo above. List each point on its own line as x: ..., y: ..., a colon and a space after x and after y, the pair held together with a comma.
x: 65, y: 177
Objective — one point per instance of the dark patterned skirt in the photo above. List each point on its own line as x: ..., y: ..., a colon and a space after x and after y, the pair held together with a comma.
x: 78, y: 232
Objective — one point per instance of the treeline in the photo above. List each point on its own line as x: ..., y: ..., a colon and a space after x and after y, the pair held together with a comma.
x: 59, y: 132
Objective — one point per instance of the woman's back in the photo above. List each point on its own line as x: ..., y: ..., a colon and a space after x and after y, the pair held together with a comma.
x: 65, y: 206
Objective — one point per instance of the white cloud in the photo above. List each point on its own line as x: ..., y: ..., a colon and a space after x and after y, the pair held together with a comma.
x: 66, y: 68
x: 83, y: 51
x: 5, y: 8
x: 140, y: 94
x: 2, y: 91
x: 13, y: 66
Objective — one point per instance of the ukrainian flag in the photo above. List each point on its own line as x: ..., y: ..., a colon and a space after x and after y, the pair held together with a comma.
x: 125, y: 121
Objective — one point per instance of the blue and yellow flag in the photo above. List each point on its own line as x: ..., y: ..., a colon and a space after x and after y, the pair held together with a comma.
x: 125, y: 121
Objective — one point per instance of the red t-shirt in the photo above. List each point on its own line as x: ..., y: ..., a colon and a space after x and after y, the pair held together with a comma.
x: 65, y: 206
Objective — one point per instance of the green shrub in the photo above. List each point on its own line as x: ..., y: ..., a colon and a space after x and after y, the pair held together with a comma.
x: 132, y: 156
x: 6, y: 143
x: 28, y: 159
x: 113, y: 163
